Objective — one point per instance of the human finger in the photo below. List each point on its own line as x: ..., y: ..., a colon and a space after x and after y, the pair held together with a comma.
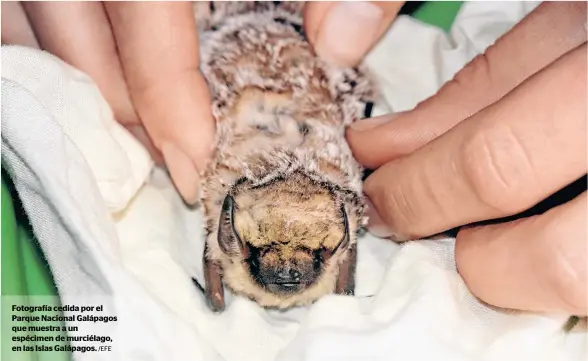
x: 16, y: 29
x: 497, y: 163
x: 140, y: 133
x: 79, y: 33
x: 158, y: 48
x: 535, y: 264
x: 342, y: 32
x: 557, y: 26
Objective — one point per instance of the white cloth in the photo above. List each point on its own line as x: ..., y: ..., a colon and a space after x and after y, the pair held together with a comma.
x: 132, y: 246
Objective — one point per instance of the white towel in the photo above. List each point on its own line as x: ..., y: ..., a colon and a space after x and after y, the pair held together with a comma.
x: 117, y: 235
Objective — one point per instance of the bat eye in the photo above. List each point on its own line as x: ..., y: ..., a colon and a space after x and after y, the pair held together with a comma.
x: 317, y: 263
x: 318, y: 260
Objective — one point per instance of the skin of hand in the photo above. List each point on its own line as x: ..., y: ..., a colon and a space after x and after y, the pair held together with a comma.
x: 343, y: 32
x: 16, y: 28
x: 149, y: 74
x: 508, y: 131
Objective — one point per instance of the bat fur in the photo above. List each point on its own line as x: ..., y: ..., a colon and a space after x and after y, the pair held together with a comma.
x: 282, y: 171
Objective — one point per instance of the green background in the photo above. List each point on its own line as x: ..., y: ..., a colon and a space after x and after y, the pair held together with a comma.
x: 26, y: 277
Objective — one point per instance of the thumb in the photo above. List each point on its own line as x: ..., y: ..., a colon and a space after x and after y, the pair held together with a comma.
x: 178, y: 118
x: 169, y: 92
x: 342, y: 32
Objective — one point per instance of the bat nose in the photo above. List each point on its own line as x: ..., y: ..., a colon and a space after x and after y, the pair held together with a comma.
x: 288, y: 275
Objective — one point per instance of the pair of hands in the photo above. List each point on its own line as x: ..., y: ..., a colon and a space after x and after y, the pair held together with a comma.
x: 506, y: 132
x: 143, y: 56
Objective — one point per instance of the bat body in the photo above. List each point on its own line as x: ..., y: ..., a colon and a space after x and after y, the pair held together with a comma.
x: 282, y: 197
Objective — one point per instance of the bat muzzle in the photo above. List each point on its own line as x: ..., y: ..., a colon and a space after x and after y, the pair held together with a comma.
x: 286, y: 278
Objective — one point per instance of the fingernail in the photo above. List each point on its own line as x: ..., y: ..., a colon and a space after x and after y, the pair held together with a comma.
x: 377, y: 227
x: 371, y: 123
x: 183, y: 172
x: 348, y: 32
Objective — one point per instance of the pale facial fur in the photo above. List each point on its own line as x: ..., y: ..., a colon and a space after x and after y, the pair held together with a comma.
x: 282, y: 156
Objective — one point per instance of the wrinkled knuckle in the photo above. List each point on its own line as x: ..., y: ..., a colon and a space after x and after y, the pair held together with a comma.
x: 477, y: 71
x: 484, y: 175
x: 495, y: 167
x: 398, y: 211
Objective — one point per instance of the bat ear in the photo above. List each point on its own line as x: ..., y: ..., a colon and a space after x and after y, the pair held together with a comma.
x: 228, y: 239
x: 344, y: 243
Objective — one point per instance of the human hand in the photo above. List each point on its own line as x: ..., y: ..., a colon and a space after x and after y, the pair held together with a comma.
x: 505, y: 133
x: 144, y: 59
x: 344, y: 32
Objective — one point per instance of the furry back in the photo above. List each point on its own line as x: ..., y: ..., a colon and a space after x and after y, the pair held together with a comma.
x: 279, y: 109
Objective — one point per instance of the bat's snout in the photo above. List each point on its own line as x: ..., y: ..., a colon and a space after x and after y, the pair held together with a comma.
x: 287, y: 277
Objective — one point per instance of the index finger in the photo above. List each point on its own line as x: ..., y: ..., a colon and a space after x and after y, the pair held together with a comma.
x: 158, y: 47
x: 557, y: 26
x: 497, y: 163
x: 16, y: 28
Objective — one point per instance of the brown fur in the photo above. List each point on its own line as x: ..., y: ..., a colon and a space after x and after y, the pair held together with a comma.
x: 281, y: 116
x: 296, y: 210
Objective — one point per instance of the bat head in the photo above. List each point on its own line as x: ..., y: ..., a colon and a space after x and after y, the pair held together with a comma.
x: 282, y: 238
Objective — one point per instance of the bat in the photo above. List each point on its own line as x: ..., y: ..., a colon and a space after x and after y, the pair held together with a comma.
x: 282, y: 197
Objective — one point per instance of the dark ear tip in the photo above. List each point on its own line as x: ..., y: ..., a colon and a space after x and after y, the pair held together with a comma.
x: 225, y: 229
x: 216, y: 307
x: 228, y: 203
x: 227, y: 236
